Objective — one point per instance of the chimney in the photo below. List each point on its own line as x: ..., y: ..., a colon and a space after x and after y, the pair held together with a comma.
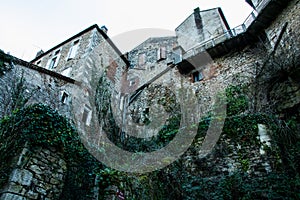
x: 104, y: 29
x: 197, y: 10
x: 40, y: 52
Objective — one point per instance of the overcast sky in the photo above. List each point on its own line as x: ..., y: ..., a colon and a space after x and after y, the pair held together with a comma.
x: 30, y: 25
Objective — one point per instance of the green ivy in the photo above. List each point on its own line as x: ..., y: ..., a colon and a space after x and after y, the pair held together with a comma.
x: 39, y: 125
x: 237, y: 101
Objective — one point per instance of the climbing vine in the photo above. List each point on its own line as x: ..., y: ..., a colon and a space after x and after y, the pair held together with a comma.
x: 39, y: 125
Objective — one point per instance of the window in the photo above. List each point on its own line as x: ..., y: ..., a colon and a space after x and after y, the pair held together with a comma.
x: 152, y: 68
x: 142, y: 59
x: 38, y: 63
x: 73, y: 50
x: 53, y: 61
x: 57, y: 52
x: 64, y: 97
x: 197, y: 76
x: 161, y: 53
x: 87, y: 115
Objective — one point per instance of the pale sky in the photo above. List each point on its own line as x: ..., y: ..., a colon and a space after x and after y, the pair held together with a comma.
x: 30, y: 25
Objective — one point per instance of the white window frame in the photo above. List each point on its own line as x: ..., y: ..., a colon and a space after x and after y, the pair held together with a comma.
x: 64, y: 97
x: 161, y: 53
x: 73, y: 49
x: 142, y: 59
x: 87, y: 115
x: 54, y: 59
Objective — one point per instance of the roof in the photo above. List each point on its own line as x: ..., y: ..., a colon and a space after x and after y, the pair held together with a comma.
x: 95, y: 26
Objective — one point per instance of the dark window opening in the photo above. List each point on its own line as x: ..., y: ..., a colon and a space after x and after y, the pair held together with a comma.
x: 57, y: 52
x: 52, y: 63
x: 197, y: 76
x: 64, y: 97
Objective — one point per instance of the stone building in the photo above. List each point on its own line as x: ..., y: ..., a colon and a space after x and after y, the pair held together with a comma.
x: 201, y: 26
x: 40, y: 172
x: 205, y: 57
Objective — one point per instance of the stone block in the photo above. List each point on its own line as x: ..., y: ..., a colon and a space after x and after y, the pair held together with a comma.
x: 9, y: 196
x: 54, y: 181
x: 23, y: 177
x: 15, y: 188
x: 32, y: 195
x: 41, y: 191
x: 36, y: 169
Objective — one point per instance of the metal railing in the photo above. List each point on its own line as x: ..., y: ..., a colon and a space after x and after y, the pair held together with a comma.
x: 228, y: 34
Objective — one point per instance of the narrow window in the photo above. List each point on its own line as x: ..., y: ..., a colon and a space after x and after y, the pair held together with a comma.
x: 161, y: 53
x: 53, y: 61
x: 142, y: 59
x: 131, y: 82
x: 57, y: 52
x: 197, y: 76
x: 64, y: 97
x: 38, y: 63
x: 87, y: 115
x: 73, y: 50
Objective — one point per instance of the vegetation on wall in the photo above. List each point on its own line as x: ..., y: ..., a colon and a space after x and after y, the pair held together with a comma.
x: 217, y: 176
x: 192, y: 178
x: 133, y: 144
x: 40, y: 126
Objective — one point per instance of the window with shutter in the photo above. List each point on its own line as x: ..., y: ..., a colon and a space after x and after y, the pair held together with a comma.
x: 161, y: 53
x: 53, y: 61
x: 142, y: 59
x: 73, y: 50
x: 64, y: 97
x: 87, y: 115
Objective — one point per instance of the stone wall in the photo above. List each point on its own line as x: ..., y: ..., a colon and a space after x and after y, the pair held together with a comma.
x: 62, y: 61
x: 285, y: 92
x: 235, y: 68
x: 201, y: 26
x: 38, y: 173
x: 149, y: 59
x: 37, y: 87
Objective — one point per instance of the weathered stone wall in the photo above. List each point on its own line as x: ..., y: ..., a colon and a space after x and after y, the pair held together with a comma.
x: 234, y: 68
x: 38, y: 173
x: 37, y: 87
x: 62, y: 59
x: 147, y: 61
x: 199, y: 27
x: 285, y: 92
